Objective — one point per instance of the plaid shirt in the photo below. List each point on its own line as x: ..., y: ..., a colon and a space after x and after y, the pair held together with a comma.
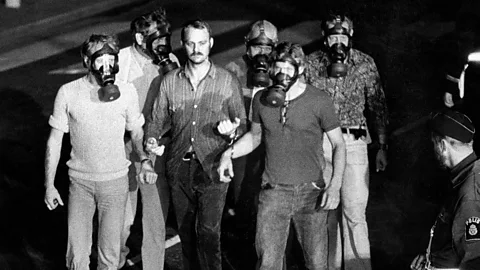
x: 192, y: 116
x: 360, y: 89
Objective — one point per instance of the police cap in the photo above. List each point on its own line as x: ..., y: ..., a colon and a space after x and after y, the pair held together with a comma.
x: 452, y: 124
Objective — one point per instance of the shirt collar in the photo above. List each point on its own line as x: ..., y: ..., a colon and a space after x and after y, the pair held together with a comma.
x: 458, y: 171
x: 212, y: 72
x: 141, y: 59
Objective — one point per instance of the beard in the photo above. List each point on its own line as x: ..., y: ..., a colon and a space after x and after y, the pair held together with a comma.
x: 441, y: 159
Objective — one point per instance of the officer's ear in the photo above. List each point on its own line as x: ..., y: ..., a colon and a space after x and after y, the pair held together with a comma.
x: 351, y: 32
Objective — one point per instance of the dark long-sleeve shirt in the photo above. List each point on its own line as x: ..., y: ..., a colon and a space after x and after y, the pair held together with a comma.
x: 193, y: 116
x: 456, y: 238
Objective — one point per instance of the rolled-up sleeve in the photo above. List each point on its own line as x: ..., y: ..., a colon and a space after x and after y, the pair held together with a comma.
x: 236, y: 104
x: 59, y: 117
x: 158, y: 120
x: 134, y: 118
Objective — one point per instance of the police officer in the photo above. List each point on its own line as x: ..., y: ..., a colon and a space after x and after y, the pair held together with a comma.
x: 455, y: 235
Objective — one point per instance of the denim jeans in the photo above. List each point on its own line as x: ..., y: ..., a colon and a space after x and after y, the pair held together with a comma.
x: 155, y: 203
x: 198, y: 209
x: 280, y: 204
x: 109, y: 198
x: 352, y: 209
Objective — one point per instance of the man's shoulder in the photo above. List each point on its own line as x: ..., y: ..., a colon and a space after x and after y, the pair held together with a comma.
x: 470, y: 188
x: 73, y: 85
x: 221, y: 71
x: 317, y: 94
x: 315, y: 56
x: 238, y: 67
x: 360, y: 57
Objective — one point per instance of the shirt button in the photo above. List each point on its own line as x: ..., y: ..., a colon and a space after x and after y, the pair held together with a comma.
x: 193, y: 123
x: 195, y: 106
x: 192, y: 139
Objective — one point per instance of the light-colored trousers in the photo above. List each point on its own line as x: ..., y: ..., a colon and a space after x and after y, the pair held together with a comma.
x: 109, y: 198
x: 355, y: 254
x: 155, y: 203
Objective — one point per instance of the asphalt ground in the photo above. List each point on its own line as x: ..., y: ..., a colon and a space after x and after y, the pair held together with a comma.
x: 403, y: 200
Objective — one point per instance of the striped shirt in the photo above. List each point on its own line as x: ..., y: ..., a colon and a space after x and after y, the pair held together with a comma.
x: 192, y: 116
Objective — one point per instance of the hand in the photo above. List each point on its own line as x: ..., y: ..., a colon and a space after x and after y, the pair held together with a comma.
x: 448, y: 100
x: 381, y: 160
x: 151, y: 146
x: 52, y: 198
x: 418, y: 263
x: 329, y: 199
x: 147, y: 175
x: 227, y: 128
x: 225, y: 169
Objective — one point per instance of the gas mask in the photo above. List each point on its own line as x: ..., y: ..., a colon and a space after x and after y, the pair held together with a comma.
x: 338, y: 54
x: 260, y: 68
x: 338, y: 43
x: 158, y: 45
x: 275, y: 94
x: 105, y: 75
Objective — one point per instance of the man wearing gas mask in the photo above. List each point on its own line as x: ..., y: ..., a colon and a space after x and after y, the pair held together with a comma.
x: 192, y: 100
x: 351, y: 78
x: 96, y: 110
x: 253, y: 72
x: 291, y: 117
x: 144, y: 64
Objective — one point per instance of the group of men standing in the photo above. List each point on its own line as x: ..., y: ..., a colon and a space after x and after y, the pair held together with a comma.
x: 307, y: 112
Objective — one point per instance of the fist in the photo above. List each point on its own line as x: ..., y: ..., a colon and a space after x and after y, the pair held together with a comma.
x: 151, y: 146
x: 227, y: 128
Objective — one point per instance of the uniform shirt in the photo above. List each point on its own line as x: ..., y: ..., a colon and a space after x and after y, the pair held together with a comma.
x: 193, y: 116
x: 351, y: 95
x: 96, y: 128
x: 456, y: 239
x: 294, y: 153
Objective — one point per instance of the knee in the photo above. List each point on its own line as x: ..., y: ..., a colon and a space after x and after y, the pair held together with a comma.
x: 354, y: 214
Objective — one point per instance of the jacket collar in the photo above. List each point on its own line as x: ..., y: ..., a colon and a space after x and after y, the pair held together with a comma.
x: 459, y: 172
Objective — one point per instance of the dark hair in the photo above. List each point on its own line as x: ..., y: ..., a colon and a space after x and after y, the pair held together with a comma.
x: 142, y: 23
x: 197, y: 24
x: 332, y: 16
x: 288, y: 48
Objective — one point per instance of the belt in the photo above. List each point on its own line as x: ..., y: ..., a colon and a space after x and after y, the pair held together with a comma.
x: 190, y: 156
x: 356, y: 132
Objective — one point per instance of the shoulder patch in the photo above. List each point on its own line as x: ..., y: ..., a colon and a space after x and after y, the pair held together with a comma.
x: 472, y: 229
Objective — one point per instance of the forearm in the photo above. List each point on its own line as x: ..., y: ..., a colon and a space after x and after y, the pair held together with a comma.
x: 339, y: 160
x: 52, y: 157
x: 245, y: 145
x: 137, y: 142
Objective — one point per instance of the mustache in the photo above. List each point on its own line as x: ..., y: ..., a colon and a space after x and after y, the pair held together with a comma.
x: 197, y: 53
